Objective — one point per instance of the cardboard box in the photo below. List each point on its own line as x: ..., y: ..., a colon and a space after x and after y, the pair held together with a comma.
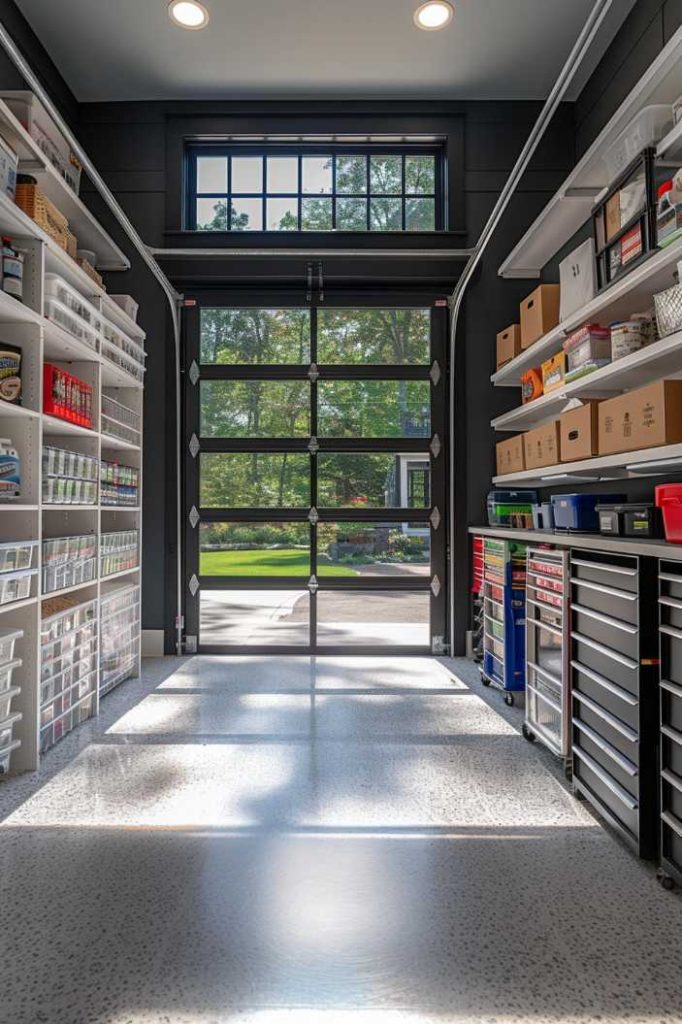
x: 510, y: 456
x: 542, y: 446
x: 612, y: 214
x: 539, y: 313
x: 508, y: 344
x: 553, y: 372
x: 579, y: 432
x: 645, y: 418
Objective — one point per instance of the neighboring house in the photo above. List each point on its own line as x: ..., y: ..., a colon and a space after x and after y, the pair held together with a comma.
x: 409, y: 486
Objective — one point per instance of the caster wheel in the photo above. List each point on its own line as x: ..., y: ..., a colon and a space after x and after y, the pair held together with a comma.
x: 485, y: 680
x: 568, y: 771
x: 527, y: 734
x: 509, y: 699
x: 665, y: 881
x: 578, y: 794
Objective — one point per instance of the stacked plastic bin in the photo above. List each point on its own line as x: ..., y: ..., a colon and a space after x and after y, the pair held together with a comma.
x: 120, y: 421
x: 17, y: 559
x: 122, y: 350
x: 69, y: 561
x: 68, y: 671
x: 8, y: 719
x: 69, y: 478
x: 504, y: 634
x: 120, y: 627
x: 119, y: 551
x: 119, y: 484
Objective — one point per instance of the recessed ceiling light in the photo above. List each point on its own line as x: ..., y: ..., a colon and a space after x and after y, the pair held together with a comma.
x: 434, y: 14
x: 188, y: 14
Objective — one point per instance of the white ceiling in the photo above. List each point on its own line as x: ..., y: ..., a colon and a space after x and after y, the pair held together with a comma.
x: 278, y: 49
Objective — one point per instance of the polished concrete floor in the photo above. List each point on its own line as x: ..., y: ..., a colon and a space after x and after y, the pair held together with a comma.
x: 319, y: 841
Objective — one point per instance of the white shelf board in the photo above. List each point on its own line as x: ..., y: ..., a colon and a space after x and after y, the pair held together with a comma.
x: 629, y: 294
x: 571, y: 205
x: 660, y: 359
x: 116, y: 586
x: 59, y: 344
x: 14, y: 606
x: 12, y: 311
x: 17, y: 507
x: 55, y: 425
x: 114, y: 376
x: 70, y: 590
x: 120, y: 319
x: 82, y: 223
x: 117, y: 443
x: 119, y: 575
x: 670, y: 146
x: 623, y: 466
x: 48, y: 507
x: 20, y: 411
x: 120, y: 508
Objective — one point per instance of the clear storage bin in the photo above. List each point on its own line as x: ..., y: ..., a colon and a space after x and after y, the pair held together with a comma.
x: 6, y: 674
x: 6, y: 698
x: 6, y: 756
x: 73, y: 615
x: 7, y: 729
x: 8, y: 639
x: 646, y: 129
x: 72, y: 324
x: 17, y: 554
x: 123, y: 360
x: 16, y: 586
x: 57, y: 288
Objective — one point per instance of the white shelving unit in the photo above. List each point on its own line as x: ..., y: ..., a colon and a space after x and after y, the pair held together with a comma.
x: 23, y: 324
x: 570, y: 207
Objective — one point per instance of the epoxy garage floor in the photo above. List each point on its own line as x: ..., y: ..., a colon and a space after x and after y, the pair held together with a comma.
x: 327, y: 840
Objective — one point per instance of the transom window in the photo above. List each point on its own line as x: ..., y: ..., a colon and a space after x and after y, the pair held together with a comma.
x: 306, y: 188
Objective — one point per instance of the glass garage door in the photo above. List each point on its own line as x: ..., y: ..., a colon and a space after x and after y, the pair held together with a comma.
x: 315, y: 477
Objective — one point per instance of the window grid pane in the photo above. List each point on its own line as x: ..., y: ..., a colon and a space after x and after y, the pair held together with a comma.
x: 342, y: 190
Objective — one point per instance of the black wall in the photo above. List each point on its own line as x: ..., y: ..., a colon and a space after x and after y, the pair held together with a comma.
x: 130, y: 145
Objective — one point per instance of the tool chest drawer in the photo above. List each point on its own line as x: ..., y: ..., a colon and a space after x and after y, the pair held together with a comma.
x: 548, y: 709
x: 614, y: 668
x: 670, y: 625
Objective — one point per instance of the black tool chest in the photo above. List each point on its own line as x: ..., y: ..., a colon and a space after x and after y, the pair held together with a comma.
x: 615, y: 675
x: 670, y: 610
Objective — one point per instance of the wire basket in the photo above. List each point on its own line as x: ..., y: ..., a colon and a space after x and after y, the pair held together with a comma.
x: 33, y: 201
x: 668, y: 305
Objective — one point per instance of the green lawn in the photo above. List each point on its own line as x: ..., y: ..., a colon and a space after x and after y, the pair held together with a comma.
x: 273, y: 562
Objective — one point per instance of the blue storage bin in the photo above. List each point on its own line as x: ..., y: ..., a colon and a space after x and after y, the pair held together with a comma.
x: 579, y: 511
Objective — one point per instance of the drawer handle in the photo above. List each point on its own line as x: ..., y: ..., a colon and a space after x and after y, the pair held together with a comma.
x: 620, y: 658
x: 610, y: 783
x: 554, y: 630
x: 548, y: 675
x: 607, y: 717
x: 672, y: 734
x: 672, y: 822
x: 606, y: 619
x: 673, y: 780
x: 543, y: 697
x: 670, y: 602
x: 674, y: 688
x: 618, y: 569
x: 670, y: 577
x: 623, y: 762
x: 544, y: 575
x: 606, y: 684
x: 671, y: 631
x: 604, y: 588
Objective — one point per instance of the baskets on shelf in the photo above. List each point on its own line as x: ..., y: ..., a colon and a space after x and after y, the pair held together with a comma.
x: 33, y: 201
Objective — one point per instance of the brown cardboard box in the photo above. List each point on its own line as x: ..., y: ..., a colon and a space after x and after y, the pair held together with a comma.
x: 644, y: 418
x: 508, y: 344
x: 539, y: 313
x: 579, y: 430
x: 510, y: 457
x: 613, y: 216
x: 542, y: 446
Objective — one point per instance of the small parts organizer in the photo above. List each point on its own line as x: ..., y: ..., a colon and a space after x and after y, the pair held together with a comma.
x: 66, y: 307
x: 17, y: 569
x: 68, y: 669
x: 119, y: 485
x: 69, y: 478
x: 120, y: 624
x: 66, y: 397
x: 120, y: 421
x: 69, y: 561
x: 119, y: 551
x: 8, y: 718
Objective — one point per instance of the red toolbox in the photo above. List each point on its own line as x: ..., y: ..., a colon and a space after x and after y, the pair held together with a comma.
x: 669, y: 500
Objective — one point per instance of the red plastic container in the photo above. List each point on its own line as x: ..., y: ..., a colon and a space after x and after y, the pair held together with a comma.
x: 669, y: 500
x: 67, y: 397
